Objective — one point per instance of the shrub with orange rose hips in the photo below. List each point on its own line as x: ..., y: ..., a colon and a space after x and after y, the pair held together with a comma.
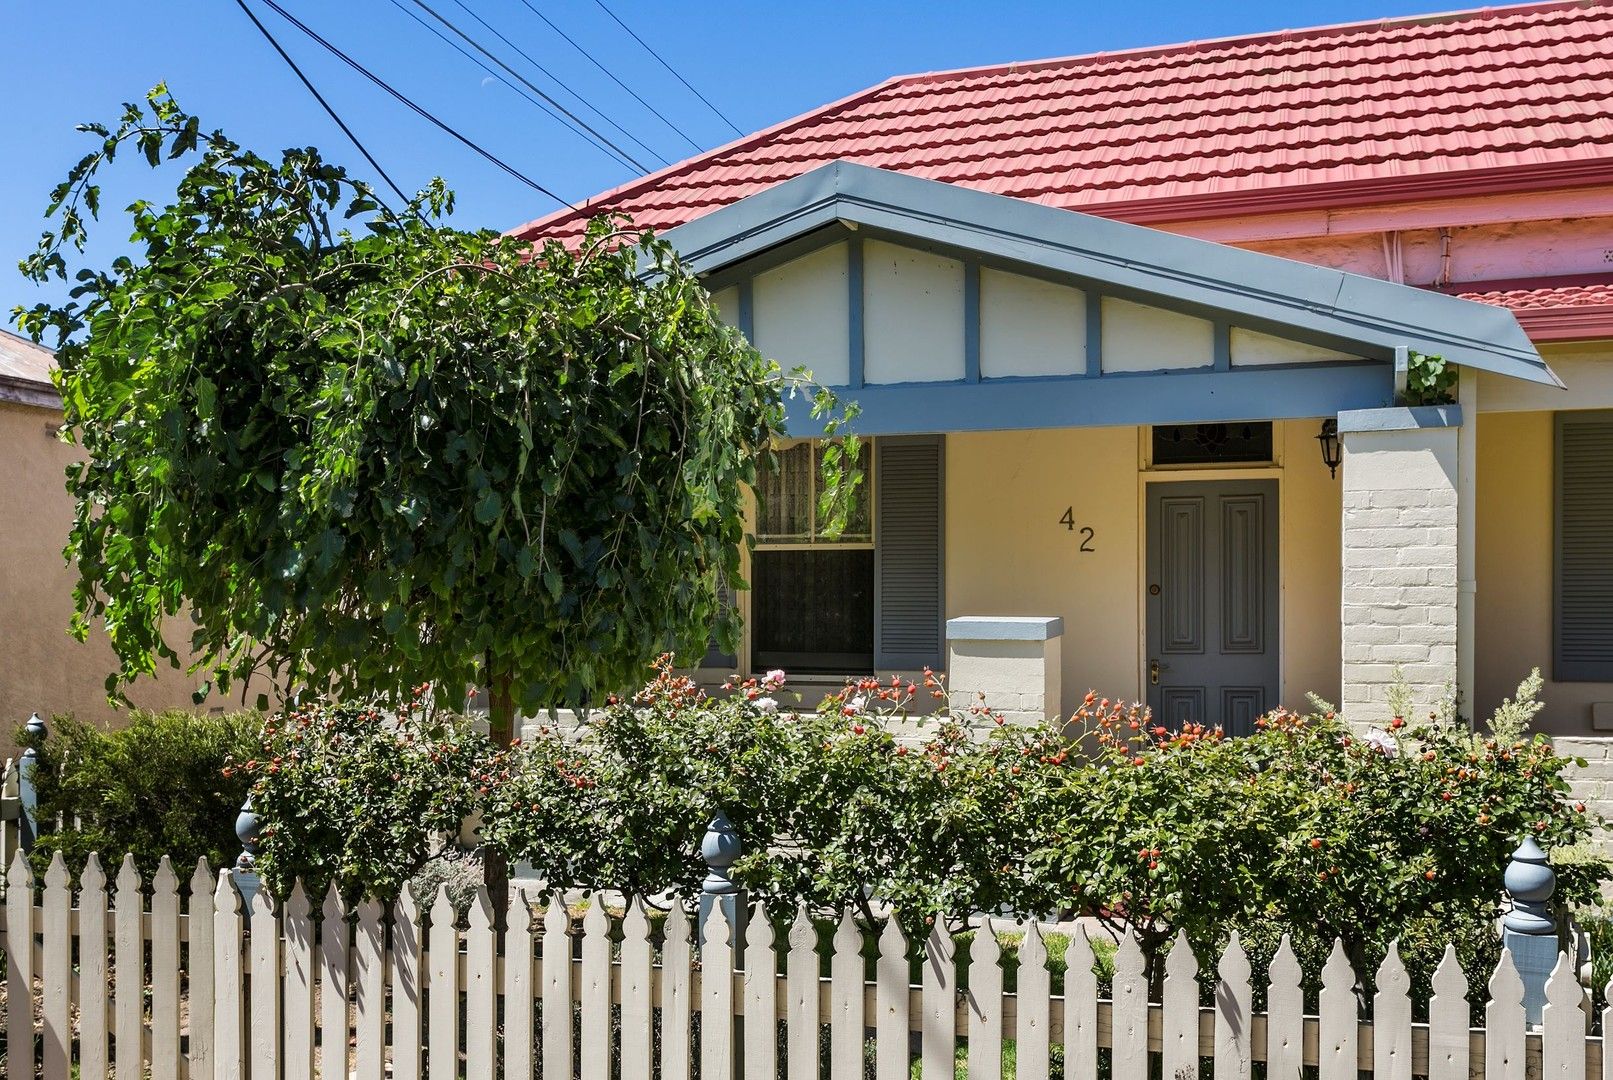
x: 833, y: 806
x: 361, y: 796
x: 1312, y: 828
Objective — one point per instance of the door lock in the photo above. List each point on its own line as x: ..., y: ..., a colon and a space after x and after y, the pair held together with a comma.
x: 1153, y: 672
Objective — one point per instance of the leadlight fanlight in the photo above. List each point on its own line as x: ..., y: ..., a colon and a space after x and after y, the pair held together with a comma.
x: 1244, y: 442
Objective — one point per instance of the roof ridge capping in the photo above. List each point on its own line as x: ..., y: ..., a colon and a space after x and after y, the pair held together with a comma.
x: 1262, y: 292
x: 1261, y: 37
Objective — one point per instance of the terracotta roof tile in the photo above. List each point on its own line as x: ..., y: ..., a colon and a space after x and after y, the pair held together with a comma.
x: 1429, y: 100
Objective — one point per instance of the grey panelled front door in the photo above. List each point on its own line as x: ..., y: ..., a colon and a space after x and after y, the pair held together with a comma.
x: 1212, y: 602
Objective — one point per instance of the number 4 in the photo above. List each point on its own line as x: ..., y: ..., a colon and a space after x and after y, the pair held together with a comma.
x: 1068, y: 520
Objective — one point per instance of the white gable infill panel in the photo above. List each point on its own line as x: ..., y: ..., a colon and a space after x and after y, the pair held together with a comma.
x: 941, y: 308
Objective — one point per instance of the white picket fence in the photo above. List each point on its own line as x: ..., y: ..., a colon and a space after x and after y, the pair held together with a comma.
x: 10, y: 811
x: 183, y: 984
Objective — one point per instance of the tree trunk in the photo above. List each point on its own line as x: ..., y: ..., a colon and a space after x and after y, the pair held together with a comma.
x: 501, y: 731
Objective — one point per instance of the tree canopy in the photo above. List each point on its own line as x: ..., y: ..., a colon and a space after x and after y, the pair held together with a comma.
x: 353, y: 448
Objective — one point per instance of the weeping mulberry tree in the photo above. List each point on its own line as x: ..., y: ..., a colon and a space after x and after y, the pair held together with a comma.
x: 342, y: 448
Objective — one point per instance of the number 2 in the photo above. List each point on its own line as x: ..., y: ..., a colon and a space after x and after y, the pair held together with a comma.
x: 1086, y: 539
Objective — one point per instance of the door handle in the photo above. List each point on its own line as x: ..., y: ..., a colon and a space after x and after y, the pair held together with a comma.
x: 1153, y: 672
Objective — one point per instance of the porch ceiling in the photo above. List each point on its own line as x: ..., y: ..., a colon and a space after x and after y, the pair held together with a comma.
x: 1371, y: 318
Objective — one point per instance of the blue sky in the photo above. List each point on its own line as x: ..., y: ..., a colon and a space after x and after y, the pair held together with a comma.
x: 759, y: 63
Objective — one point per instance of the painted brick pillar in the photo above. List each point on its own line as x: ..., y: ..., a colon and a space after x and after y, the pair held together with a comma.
x: 1015, y: 662
x: 1400, y: 595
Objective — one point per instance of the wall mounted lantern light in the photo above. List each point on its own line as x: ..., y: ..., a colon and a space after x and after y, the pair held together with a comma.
x: 1329, y: 440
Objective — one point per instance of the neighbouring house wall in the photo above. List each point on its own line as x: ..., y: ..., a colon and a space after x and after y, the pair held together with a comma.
x: 1007, y: 553
x: 1515, y: 543
x: 42, y: 669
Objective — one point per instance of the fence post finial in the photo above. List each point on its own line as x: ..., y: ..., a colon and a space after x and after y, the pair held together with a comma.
x: 720, y: 847
x: 27, y: 794
x: 247, y: 827
x: 1528, y: 930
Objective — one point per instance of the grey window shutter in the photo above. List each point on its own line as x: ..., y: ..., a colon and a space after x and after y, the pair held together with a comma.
x: 715, y: 657
x: 910, y: 562
x: 1583, y: 626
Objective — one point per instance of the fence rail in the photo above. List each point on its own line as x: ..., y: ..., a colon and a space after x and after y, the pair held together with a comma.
x: 182, y: 981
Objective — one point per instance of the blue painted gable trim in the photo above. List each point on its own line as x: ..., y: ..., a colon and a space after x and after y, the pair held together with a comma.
x: 1201, y: 396
x: 1243, y: 288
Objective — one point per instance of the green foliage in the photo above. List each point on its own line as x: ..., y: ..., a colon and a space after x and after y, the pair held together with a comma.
x: 1430, y: 380
x: 152, y: 788
x: 357, y: 796
x: 1308, y: 826
x: 832, y: 806
x: 360, y: 455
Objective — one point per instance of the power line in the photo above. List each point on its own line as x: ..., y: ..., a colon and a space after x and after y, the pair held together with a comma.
x: 555, y: 78
x: 419, y: 111
x: 473, y: 43
x: 611, y: 74
x: 376, y: 165
x: 493, y: 73
x: 669, y: 67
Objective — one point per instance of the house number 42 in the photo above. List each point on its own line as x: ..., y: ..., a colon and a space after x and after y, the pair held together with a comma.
x: 1068, y: 521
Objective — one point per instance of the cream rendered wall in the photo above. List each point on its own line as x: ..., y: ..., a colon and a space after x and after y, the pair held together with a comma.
x: 1515, y: 546
x: 42, y: 669
x: 912, y: 315
x: 1007, y: 554
x: 801, y: 315
x: 1141, y: 338
x: 1030, y: 327
x: 1253, y: 349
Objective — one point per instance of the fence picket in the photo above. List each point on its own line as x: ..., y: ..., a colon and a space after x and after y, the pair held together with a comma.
x: 199, y: 974
x: 228, y: 1018
x: 1607, y: 1026
x: 1391, y: 1019
x: 264, y: 1033
x: 20, y: 966
x: 1129, y: 1052
x: 638, y: 1016
x: 1285, y: 1015
x: 296, y: 918
x: 1080, y: 1006
x: 405, y: 981
x: 56, y: 956
x: 442, y: 990
x: 92, y: 907
x: 1504, y: 1023
x: 985, y: 1000
x: 938, y: 989
x: 556, y: 1016
x: 716, y: 995
x: 891, y: 1054
x: 129, y: 971
x: 677, y: 989
x: 1562, y: 1024
x: 1447, y: 1021
x: 1180, y: 1006
x: 165, y: 1063
x: 1233, y: 1013
x: 1337, y: 1022
x: 518, y: 989
x: 593, y: 1050
x: 333, y: 986
x: 846, y: 1023
x: 369, y: 962
x: 481, y: 991
x: 760, y: 993
x: 801, y: 983
x: 1035, y: 1006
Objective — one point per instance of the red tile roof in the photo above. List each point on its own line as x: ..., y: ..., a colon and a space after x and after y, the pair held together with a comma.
x: 1548, y: 309
x: 1489, y: 100
x: 25, y: 372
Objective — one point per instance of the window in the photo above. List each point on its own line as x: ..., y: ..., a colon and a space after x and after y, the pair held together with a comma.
x: 812, y: 597
x: 1583, y: 631
x: 1239, y: 443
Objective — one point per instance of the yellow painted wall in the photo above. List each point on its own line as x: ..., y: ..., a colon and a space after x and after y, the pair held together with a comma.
x: 1007, y: 554
x: 42, y: 669
x: 1515, y: 571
